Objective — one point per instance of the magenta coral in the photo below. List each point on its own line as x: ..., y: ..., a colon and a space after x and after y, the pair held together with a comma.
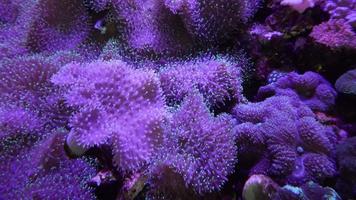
x: 310, y: 87
x: 118, y: 103
x: 199, y: 148
x: 217, y: 78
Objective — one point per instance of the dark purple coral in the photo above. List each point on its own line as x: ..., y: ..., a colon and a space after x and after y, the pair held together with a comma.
x: 115, y: 105
x: 214, y: 20
x: 310, y: 87
x: 26, y: 91
x: 217, y: 78
x: 346, y: 83
x: 199, y: 151
x: 41, y: 170
x: 309, y: 190
x: 291, y: 143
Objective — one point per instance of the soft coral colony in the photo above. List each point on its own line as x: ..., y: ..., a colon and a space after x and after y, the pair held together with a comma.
x: 177, y: 99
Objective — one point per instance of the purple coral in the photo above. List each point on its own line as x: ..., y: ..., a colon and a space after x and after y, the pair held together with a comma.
x: 217, y: 78
x: 335, y: 33
x: 150, y: 26
x: 310, y: 87
x: 26, y: 88
x: 42, y: 171
x: 58, y: 25
x: 118, y: 103
x: 297, y: 146
x: 211, y: 21
x: 346, y: 83
x: 341, y: 9
x: 308, y: 190
x: 199, y: 148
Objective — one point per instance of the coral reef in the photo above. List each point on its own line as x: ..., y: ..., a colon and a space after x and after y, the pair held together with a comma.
x: 177, y: 99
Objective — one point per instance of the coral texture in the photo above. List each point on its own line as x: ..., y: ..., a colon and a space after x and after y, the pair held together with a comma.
x: 341, y: 9
x: 42, y: 171
x: 298, y: 148
x: 217, y: 78
x: 199, y: 148
x: 335, y: 33
x: 26, y: 90
x: 346, y: 83
x: 117, y: 105
x: 310, y: 87
x: 299, y: 5
x: 213, y: 20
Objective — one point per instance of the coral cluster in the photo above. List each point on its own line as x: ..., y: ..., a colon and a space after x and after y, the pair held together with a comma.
x: 177, y: 99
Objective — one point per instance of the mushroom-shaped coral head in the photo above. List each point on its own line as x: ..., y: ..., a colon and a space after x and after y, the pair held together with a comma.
x: 199, y: 147
x: 116, y: 105
x: 296, y: 146
x: 310, y: 87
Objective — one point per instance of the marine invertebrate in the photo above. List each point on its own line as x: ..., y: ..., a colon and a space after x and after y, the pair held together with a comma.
x: 116, y: 102
x: 199, y: 150
x: 212, y: 21
x: 335, y: 33
x: 310, y: 87
x: 43, y: 171
x: 217, y: 78
x: 297, y: 146
x: 346, y: 83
